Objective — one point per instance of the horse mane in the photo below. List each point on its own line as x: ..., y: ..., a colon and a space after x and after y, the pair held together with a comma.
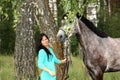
x: 92, y: 27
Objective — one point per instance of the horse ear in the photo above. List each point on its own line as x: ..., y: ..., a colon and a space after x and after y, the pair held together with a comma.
x: 78, y: 15
x: 65, y: 16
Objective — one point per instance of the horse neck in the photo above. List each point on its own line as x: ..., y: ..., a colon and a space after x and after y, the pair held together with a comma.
x: 85, y: 36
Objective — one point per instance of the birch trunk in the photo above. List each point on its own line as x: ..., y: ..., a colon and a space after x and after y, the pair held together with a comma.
x: 24, y: 59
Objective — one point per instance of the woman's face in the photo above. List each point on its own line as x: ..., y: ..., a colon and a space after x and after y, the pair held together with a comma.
x: 45, y: 41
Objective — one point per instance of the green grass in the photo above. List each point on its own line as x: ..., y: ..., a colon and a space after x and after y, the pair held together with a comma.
x: 77, y: 70
x: 6, y: 68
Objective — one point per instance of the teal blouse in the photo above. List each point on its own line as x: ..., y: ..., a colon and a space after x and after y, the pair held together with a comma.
x: 50, y: 64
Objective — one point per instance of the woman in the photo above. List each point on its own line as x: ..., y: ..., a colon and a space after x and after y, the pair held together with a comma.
x: 47, y: 58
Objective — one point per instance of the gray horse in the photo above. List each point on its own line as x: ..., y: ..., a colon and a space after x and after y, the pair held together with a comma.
x: 101, y: 53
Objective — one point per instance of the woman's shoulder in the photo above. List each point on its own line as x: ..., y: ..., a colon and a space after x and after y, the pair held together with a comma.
x: 51, y: 49
x: 41, y: 51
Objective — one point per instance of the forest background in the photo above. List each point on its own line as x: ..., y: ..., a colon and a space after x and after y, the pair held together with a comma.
x: 11, y: 25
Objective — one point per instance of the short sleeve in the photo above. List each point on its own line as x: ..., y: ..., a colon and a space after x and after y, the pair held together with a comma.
x: 41, y: 58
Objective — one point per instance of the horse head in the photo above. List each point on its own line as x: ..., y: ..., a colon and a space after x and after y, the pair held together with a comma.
x: 68, y: 28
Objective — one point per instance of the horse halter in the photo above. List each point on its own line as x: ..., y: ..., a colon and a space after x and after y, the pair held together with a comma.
x: 67, y: 34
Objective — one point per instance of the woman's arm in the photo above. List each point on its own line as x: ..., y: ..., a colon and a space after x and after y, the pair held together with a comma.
x: 49, y: 71
x: 57, y: 61
x: 41, y: 58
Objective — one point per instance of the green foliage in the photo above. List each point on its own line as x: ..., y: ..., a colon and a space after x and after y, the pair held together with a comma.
x: 111, y: 25
x: 9, y: 14
x: 60, y: 12
x: 6, y: 30
x: 74, y: 46
x: 69, y: 5
x: 73, y: 6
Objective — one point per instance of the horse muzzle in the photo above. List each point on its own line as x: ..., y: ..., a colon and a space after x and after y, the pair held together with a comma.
x: 61, y: 35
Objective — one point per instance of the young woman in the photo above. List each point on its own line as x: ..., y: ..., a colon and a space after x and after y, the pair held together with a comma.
x: 47, y: 58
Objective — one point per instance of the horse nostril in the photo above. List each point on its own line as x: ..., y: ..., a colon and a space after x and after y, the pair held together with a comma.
x: 60, y: 36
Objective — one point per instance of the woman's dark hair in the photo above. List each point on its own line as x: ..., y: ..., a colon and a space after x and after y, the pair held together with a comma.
x: 40, y: 46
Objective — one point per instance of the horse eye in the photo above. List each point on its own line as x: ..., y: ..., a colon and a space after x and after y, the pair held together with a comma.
x: 70, y: 21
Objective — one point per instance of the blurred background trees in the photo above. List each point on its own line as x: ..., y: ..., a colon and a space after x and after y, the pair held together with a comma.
x: 107, y: 12
x: 7, y: 26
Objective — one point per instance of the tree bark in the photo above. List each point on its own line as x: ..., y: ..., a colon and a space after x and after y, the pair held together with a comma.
x: 24, y: 59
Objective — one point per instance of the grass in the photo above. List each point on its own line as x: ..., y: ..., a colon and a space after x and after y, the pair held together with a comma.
x: 77, y: 70
x: 6, y: 68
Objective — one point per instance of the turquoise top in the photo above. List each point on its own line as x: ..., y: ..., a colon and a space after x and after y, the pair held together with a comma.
x: 50, y: 64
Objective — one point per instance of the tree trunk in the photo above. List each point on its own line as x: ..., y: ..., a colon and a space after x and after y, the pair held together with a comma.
x: 46, y: 22
x: 24, y: 59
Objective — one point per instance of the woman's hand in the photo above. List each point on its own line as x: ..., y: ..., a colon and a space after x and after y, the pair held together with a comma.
x: 64, y: 60
x: 51, y: 73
